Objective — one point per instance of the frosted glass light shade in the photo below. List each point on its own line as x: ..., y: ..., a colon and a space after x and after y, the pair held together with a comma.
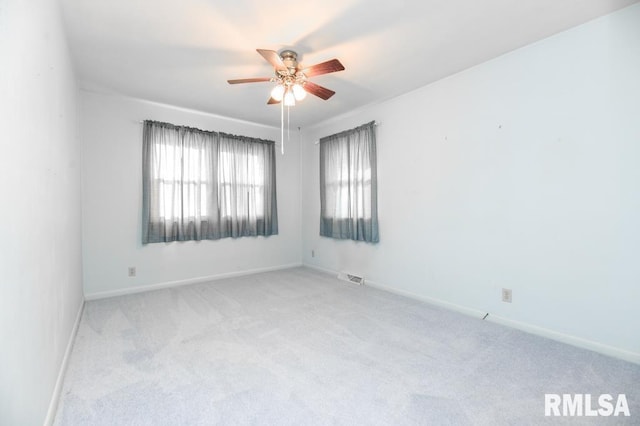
x: 277, y: 92
x: 299, y: 92
x: 289, y: 98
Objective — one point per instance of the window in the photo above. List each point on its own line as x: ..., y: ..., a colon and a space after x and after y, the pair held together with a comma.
x: 348, y: 200
x: 206, y: 185
x: 192, y: 175
x: 250, y: 184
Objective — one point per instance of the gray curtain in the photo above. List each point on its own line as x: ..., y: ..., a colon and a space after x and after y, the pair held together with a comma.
x: 348, y: 185
x: 206, y: 185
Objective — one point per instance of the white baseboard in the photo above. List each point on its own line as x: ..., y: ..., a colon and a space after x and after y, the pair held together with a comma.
x: 451, y: 306
x: 57, y: 389
x: 178, y: 283
x: 612, y: 351
x: 568, y: 339
x: 321, y: 269
x: 447, y: 305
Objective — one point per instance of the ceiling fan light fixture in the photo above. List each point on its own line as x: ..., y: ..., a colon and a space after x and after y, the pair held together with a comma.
x: 298, y: 92
x: 277, y: 93
x: 291, y: 80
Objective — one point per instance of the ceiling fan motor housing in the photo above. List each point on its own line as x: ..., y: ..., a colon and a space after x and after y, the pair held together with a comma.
x: 290, y: 60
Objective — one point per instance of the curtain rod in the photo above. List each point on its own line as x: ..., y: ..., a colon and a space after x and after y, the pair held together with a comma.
x: 231, y: 135
x: 375, y: 123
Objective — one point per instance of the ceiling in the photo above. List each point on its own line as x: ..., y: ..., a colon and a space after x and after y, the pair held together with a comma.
x: 182, y: 53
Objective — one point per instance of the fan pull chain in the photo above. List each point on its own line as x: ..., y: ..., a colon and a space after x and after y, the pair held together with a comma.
x: 282, y: 127
x: 288, y: 124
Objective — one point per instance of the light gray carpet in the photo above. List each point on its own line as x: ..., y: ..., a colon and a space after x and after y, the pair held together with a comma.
x: 299, y: 347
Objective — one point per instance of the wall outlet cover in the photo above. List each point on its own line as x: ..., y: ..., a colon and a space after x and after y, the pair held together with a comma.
x: 506, y: 295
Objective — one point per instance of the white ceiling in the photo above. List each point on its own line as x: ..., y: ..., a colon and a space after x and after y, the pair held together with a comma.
x: 182, y: 52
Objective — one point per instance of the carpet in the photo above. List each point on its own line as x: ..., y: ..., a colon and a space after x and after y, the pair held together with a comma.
x: 299, y: 347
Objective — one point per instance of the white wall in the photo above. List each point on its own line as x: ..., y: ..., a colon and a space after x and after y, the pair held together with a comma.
x: 40, y: 246
x: 520, y: 173
x: 112, y: 199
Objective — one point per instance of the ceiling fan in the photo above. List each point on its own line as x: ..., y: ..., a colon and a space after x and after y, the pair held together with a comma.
x: 293, y: 81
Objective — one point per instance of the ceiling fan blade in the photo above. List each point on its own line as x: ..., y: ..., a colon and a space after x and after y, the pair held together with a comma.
x: 323, y: 68
x: 249, y: 80
x: 272, y: 101
x: 319, y: 91
x: 273, y: 58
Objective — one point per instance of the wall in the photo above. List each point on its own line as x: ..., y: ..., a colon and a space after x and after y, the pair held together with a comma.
x: 519, y: 173
x: 112, y: 200
x: 40, y: 246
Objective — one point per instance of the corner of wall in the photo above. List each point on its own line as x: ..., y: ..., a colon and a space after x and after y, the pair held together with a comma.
x: 57, y: 390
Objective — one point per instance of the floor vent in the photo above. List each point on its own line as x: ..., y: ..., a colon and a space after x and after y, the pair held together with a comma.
x: 351, y: 278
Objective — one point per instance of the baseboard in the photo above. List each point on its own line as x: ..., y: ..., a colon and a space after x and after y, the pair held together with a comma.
x: 451, y: 306
x: 57, y: 389
x: 178, y: 283
x: 321, y: 269
x: 611, y: 351
x: 591, y: 345
x: 447, y: 305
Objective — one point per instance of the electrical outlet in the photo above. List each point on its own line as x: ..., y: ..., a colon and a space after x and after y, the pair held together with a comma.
x: 132, y: 271
x: 506, y: 295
